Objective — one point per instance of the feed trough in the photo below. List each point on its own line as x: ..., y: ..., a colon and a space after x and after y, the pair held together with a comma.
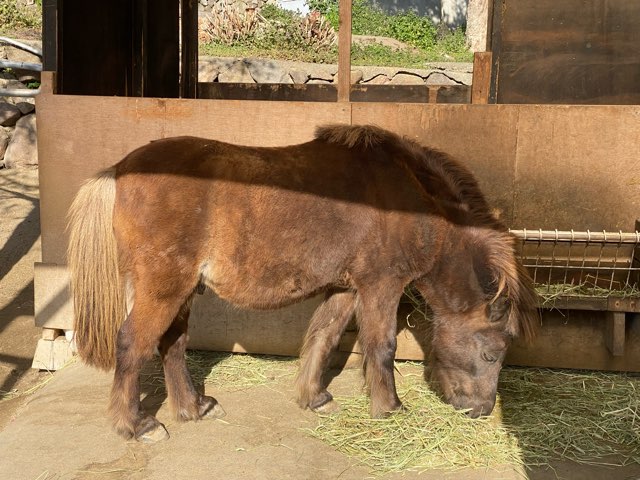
x: 585, y: 270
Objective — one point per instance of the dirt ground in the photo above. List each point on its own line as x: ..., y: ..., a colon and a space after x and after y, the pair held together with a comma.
x: 19, y: 249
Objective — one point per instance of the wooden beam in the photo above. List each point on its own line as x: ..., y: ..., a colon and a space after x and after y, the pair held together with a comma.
x: 344, y: 51
x: 615, y: 333
x: 189, y: 23
x: 49, y: 34
x: 481, y: 77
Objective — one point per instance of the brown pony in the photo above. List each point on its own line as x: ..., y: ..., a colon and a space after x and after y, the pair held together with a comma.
x: 357, y: 213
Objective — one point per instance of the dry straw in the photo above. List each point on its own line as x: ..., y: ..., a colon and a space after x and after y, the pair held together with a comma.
x: 590, y: 418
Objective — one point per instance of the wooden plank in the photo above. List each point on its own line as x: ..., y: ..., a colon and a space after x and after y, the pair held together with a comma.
x: 53, y: 306
x: 577, y: 168
x: 410, y: 93
x: 139, y: 25
x: 50, y: 334
x: 344, y: 51
x: 328, y: 93
x: 189, y: 41
x: 575, y: 303
x: 481, y: 77
x: 453, y: 94
x: 216, y: 325
x: 495, y: 40
x: 161, y: 50
x: 49, y: 34
x: 268, y: 91
x: 101, y: 66
x: 548, y: 54
x: 615, y: 333
x: 576, y: 340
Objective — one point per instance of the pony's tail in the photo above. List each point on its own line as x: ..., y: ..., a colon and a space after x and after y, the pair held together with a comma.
x: 98, y: 295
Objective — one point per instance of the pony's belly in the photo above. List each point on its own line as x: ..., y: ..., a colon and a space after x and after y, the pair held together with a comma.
x: 263, y: 288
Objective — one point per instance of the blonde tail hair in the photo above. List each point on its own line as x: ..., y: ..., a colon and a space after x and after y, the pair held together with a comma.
x: 98, y: 295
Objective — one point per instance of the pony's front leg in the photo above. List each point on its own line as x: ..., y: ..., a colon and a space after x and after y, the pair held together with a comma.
x: 185, y: 401
x: 327, y: 325
x: 377, y: 320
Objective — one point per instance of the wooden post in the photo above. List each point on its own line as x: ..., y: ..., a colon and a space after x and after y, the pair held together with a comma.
x: 189, y: 22
x: 344, y: 51
x: 481, y: 83
x: 614, y: 333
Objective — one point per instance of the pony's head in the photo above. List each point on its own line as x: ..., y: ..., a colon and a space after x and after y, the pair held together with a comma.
x: 481, y: 299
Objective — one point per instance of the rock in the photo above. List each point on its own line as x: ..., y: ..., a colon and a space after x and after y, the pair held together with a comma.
x: 25, y: 107
x: 378, y: 80
x: 207, y: 71
x: 267, y: 71
x: 407, y: 79
x: 319, y: 81
x: 437, y: 78
x: 4, y: 142
x: 23, y: 147
x: 52, y: 354
x: 298, y: 76
x: 356, y: 77
x: 17, y: 55
x: 318, y: 71
x: 238, y: 72
x: 9, y: 114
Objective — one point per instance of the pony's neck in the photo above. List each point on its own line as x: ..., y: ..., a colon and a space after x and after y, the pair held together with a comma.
x: 456, y: 280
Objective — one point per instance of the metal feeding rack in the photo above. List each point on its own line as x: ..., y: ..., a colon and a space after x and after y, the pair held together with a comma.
x: 585, y: 270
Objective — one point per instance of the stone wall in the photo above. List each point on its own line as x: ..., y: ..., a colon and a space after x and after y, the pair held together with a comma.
x: 18, y: 139
x: 251, y: 70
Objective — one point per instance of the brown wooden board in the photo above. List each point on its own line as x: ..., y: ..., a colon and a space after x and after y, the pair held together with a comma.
x: 189, y: 44
x: 102, y: 65
x: 481, y: 77
x: 578, y: 167
x: 344, y: 51
x: 328, y: 93
x: 268, y: 91
x: 569, y: 51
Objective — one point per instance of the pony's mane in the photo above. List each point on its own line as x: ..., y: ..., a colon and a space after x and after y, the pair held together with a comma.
x: 433, y: 170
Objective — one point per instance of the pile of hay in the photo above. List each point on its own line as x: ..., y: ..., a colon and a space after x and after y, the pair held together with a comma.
x: 550, y: 293
x: 541, y: 415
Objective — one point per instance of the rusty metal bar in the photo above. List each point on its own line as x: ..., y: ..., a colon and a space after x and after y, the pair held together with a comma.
x: 573, y: 236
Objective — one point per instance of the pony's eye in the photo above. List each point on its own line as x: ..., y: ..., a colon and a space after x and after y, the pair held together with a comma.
x: 488, y: 357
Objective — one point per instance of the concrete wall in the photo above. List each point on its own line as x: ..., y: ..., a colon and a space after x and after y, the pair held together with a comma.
x: 452, y: 12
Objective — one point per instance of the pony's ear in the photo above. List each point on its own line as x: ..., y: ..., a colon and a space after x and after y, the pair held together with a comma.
x: 487, y: 277
x: 499, y: 308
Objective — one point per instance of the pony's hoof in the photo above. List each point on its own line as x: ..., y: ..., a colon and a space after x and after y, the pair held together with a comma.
x: 157, y: 434
x: 210, y: 408
x: 328, y: 408
x: 388, y: 412
x: 216, y: 412
x: 324, y: 403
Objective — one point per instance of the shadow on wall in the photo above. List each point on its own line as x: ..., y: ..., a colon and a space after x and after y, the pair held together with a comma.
x: 452, y: 12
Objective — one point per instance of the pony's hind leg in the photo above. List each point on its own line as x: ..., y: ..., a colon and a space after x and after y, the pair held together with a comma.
x: 137, y: 338
x: 185, y: 401
x: 327, y: 325
x: 377, y: 321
